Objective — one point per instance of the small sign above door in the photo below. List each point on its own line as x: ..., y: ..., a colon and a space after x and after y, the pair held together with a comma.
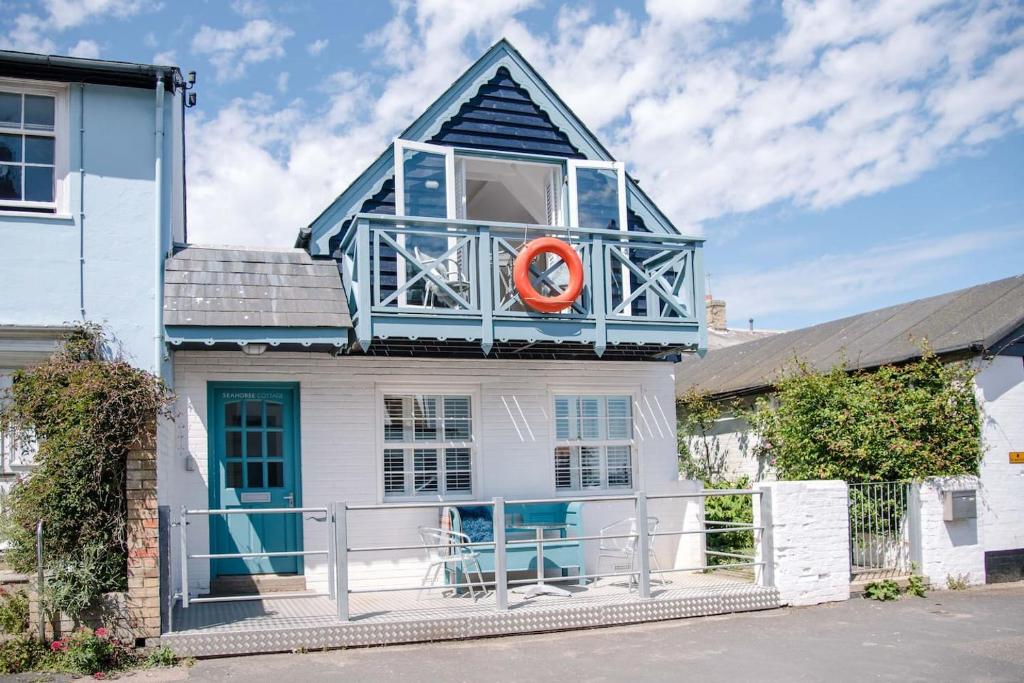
x: 1017, y: 457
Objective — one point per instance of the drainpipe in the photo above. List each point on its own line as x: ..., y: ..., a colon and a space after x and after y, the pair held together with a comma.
x: 81, y: 200
x: 158, y: 233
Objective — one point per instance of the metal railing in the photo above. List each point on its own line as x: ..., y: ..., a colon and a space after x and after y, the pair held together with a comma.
x: 879, y: 532
x: 340, y: 550
x: 183, y: 525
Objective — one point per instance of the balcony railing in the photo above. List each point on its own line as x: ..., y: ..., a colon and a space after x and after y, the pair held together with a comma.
x: 417, y: 278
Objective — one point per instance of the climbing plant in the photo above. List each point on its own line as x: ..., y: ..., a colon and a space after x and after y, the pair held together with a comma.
x: 85, y: 411
x: 898, y: 422
x: 701, y: 454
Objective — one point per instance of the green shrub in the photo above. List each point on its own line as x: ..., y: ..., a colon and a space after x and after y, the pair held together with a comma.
x: 13, y: 612
x: 910, y: 421
x: 956, y: 583
x: 882, y: 590
x: 161, y: 656
x: 87, y: 413
x: 90, y: 652
x: 732, y: 509
x: 915, y: 586
x: 23, y: 653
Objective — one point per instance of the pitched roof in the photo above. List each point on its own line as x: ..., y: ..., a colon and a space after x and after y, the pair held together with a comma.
x: 975, y: 319
x: 246, y: 287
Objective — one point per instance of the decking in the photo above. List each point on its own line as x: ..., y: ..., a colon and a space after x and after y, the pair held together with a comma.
x: 279, y: 625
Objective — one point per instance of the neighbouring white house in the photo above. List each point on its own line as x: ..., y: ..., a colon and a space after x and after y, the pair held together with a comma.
x: 983, y: 324
x: 492, y: 308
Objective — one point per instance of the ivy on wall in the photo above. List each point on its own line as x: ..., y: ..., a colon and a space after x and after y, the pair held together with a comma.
x: 85, y: 412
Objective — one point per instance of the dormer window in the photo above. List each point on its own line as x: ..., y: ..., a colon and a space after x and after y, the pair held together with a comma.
x: 31, y: 149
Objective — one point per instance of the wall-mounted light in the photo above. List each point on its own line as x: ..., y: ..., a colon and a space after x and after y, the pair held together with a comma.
x: 253, y: 349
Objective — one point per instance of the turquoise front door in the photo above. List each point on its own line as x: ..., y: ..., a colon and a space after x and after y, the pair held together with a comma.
x: 254, y: 463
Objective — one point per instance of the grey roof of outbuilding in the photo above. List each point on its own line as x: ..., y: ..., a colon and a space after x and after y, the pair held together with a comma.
x: 973, y: 319
x: 246, y: 287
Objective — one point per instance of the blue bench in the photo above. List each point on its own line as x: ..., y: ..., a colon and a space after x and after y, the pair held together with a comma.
x: 561, y: 554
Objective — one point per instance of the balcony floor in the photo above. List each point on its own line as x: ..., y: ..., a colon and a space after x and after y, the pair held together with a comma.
x: 258, y: 626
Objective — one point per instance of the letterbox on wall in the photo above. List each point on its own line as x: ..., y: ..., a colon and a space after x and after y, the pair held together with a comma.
x: 960, y: 505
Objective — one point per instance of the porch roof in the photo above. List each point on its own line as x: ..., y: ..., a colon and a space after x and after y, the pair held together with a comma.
x: 252, y: 291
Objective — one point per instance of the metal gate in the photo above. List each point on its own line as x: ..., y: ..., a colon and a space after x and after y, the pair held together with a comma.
x: 879, y: 530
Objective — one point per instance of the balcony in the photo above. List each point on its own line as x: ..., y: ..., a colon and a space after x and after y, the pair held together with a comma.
x: 411, y: 279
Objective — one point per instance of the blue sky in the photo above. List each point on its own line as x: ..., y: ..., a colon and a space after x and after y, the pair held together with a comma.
x: 837, y: 156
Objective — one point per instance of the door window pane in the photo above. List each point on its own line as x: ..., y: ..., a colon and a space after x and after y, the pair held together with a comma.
x: 233, y: 475
x: 275, y: 474
x: 275, y: 414
x: 275, y: 444
x: 233, y: 445
x: 253, y: 413
x: 10, y: 109
x: 39, y: 183
x: 597, y: 198
x: 254, y: 445
x: 233, y: 414
x: 39, y: 112
x: 426, y: 188
x: 254, y: 470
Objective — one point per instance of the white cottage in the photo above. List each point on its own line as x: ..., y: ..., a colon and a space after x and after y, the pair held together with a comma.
x: 490, y: 310
x: 983, y: 324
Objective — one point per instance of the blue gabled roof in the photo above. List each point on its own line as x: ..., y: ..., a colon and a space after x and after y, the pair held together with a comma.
x: 499, y: 103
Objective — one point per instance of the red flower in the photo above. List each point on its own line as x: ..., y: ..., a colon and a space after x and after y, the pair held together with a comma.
x: 101, y: 632
x: 99, y: 675
x: 58, y: 646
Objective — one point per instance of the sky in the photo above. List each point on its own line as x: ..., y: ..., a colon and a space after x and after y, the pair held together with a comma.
x: 837, y: 156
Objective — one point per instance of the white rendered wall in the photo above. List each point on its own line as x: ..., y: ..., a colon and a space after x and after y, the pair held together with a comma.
x: 339, y: 406
x: 944, y: 549
x: 1000, y: 390
x: 809, y: 553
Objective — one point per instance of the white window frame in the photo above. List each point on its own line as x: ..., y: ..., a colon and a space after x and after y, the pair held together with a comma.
x: 574, y: 209
x: 60, y: 133
x: 9, y: 465
x: 450, y: 202
x: 381, y: 445
x: 634, y: 442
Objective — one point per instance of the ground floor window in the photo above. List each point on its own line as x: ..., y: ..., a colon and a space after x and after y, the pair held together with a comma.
x: 428, y: 444
x: 594, y: 447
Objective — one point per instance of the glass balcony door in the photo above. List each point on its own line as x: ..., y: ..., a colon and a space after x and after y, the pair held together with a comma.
x: 597, y: 200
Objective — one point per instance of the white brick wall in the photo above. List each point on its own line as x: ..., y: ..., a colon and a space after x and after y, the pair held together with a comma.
x: 1000, y: 390
x: 943, y: 549
x: 809, y: 552
x: 339, y: 441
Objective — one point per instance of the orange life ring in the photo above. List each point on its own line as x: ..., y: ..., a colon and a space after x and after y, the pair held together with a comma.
x: 521, y: 274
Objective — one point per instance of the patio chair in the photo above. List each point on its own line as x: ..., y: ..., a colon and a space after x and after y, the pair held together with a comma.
x: 622, y: 552
x: 450, y: 271
x: 445, y: 554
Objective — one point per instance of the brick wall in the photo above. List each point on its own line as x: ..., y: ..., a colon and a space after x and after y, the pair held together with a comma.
x: 807, y: 552
x: 143, y: 598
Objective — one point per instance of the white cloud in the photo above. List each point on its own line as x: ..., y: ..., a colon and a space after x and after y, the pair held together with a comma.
x: 282, y: 82
x: 249, y: 8
x: 165, y: 58
x: 839, y: 280
x: 231, y: 52
x: 64, y: 14
x: 845, y: 99
x: 28, y: 34
x: 317, y: 46
x: 88, y: 49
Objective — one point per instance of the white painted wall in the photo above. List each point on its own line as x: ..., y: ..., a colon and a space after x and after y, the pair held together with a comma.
x: 809, y: 526
x: 1000, y: 390
x: 339, y: 441
x: 944, y: 549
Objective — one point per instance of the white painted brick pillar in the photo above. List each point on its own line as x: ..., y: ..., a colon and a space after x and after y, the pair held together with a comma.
x: 806, y: 546
x: 944, y: 549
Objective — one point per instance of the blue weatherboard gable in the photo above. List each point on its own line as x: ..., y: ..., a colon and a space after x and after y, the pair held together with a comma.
x: 501, y: 104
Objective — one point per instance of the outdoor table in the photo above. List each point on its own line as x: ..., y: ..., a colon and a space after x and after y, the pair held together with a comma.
x: 541, y: 588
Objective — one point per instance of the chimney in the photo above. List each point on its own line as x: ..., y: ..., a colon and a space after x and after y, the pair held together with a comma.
x: 716, y: 314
